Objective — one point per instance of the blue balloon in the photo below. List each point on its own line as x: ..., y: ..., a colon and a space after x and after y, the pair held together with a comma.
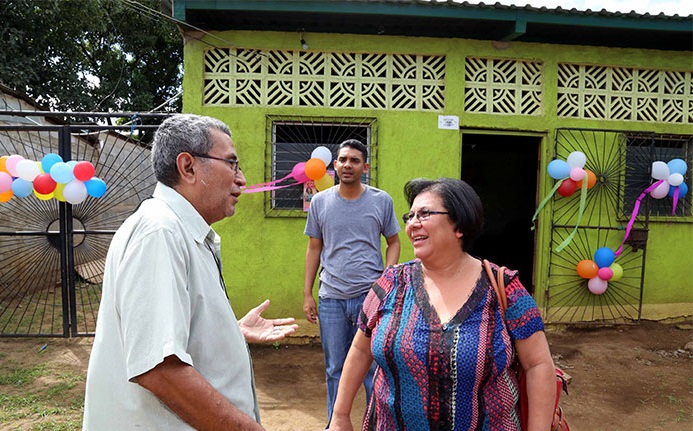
x: 558, y: 169
x: 49, y: 160
x: 22, y: 188
x: 96, y: 187
x: 677, y: 166
x: 604, y: 257
x: 62, y: 173
x: 683, y: 189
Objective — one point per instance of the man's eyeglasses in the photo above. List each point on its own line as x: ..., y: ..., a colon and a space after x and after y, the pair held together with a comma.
x: 421, y: 215
x: 235, y: 164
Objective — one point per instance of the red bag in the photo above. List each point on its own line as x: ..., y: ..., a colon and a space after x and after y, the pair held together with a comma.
x: 559, y: 422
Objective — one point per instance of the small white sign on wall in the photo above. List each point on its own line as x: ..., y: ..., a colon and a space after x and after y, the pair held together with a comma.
x: 448, y: 122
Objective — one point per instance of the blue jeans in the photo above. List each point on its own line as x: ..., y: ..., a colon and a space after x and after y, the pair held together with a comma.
x: 338, y: 318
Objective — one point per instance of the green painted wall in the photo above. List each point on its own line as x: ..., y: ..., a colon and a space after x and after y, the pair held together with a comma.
x: 264, y: 257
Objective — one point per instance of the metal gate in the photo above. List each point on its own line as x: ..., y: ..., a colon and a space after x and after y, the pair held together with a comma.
x: 52, y: 253
x: 621, y: 162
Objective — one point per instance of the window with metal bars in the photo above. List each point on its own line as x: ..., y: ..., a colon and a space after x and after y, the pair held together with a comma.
x: 641, y: 151
x: 293, y: 139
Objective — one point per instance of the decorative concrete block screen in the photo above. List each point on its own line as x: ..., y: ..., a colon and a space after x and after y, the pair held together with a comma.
x: 502, y: 86
x: 243, y: 77
x: 626, y: 94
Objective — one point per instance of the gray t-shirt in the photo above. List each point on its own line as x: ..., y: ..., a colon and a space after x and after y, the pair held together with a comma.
x: 350, y: 231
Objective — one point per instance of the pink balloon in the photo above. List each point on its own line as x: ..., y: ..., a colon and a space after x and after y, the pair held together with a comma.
x: 597, y: 286
x: 11, y: 164
x: 299, y: 172
x: 5, y: 182
x: 660, y: 191
x: 605, y: 273
x: 577, y: 174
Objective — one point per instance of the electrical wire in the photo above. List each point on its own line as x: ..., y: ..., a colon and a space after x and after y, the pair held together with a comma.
x: 139, y: 7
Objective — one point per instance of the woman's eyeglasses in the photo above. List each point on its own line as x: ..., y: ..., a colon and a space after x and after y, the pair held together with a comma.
x: 235, y: 164
x: 421, y: 215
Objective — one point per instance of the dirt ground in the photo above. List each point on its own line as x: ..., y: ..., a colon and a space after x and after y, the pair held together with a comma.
x: 627, y: 377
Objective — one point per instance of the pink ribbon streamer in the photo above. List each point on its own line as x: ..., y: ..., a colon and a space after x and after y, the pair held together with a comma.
x: 256, y: 188
x: 269, y: 183
x: 676, y: 199
x: 634, y: 214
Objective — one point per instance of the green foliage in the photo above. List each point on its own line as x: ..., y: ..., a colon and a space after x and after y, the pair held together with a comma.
x: 90, y: 55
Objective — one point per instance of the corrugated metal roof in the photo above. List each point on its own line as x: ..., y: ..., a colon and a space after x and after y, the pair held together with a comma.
x: 442, y: 18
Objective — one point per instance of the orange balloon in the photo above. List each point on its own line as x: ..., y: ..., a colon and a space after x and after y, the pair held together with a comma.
x: 587, y: 268
x: 3, y: 160
x: 591, y: 178
x: 315, y: 168
x: 4, y: 197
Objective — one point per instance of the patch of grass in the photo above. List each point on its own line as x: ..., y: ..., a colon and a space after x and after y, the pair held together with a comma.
x: 682, y: 416
x: 21, y: 376
x: 58, y: 426
x: 66, y: 381
x: 33, y: 407
x: 39, y: 397
x: 673, y: 400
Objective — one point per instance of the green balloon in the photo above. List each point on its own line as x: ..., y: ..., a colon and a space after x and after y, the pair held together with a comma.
x: 618, y: 271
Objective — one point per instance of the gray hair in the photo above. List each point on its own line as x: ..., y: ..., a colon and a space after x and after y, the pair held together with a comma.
x: 177, y: 134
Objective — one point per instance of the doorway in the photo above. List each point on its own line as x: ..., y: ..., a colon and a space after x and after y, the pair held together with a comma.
x: 503, y: 171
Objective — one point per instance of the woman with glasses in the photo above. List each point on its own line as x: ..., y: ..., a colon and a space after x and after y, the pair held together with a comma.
x: 434, y: 327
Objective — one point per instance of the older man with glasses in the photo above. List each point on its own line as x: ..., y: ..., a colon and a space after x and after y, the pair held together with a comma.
x: 169, y: 353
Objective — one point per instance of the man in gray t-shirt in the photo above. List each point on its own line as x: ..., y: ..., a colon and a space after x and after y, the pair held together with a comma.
x: 344, y: 225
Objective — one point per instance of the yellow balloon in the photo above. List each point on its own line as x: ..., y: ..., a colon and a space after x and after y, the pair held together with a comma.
x: 58, y: 192
x: 324, y: 183
x: 618, y: 271
x: 40, y: 167
x: 43, y: 197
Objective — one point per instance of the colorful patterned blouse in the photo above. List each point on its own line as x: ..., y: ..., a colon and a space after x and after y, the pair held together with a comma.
x: 444, y: 376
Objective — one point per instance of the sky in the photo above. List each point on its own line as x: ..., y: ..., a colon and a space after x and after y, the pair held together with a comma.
x: 653, y: 7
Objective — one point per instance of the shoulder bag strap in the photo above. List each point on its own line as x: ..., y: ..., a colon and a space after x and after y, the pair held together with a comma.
x: 498, y: 283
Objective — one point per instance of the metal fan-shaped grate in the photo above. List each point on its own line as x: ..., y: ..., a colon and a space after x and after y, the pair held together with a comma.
x: 602, y: 224
x: 569, y: 299
x: 36, y: 298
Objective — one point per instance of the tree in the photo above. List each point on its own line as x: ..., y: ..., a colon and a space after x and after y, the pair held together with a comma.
x: 91, y: 55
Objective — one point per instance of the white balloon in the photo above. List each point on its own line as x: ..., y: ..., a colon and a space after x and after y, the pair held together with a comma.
x: 75, y: 192
x: 660, y: 191
x: 27, y: 170
x: 322, y: 153
x: 675, y: 179
x: 577, y: 159
x: 660, y: 170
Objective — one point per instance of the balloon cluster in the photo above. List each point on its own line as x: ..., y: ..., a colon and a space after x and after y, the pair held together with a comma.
x: 600, y: 271
x: 570, y: 175
x: 571, y: 172
x: 70, y: 181
x: 669, y: 178
x: 671, y: 174
x: 314, y: 169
